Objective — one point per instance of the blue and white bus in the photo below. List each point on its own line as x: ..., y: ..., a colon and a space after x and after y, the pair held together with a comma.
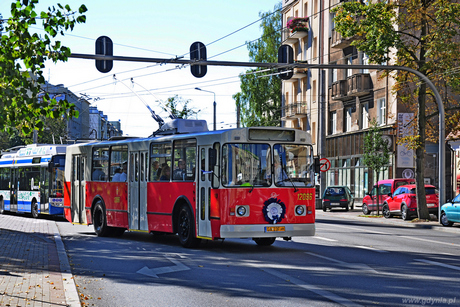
x: 32, y: 179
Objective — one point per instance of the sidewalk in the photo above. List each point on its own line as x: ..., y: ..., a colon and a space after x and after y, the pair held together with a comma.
x: 34, y: 269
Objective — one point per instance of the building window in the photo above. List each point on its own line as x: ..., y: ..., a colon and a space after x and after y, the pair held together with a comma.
x: 381, y: 111
x: 347, y: 121
x: 313, y: 133
x: 333, y: 74
x: 333, y: 122
x: 365, y: 61
x: 365, y: 116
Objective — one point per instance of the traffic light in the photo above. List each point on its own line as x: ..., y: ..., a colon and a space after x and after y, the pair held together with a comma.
x: 286, y: 56
x: 104, y: 46
x: 198, y: 52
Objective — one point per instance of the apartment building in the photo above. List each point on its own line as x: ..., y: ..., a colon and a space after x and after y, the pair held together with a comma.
x: 336, y: 105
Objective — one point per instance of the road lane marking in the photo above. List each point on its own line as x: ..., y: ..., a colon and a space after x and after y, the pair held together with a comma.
x: 431, y: 241
x: 452, y: 267
x: 355, y: 266
x: 325, y: 239
x: 162, y: 270
x: 324, y: 293
x: 371, y: 249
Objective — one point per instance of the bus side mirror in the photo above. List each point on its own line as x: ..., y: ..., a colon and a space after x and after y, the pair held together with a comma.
x: 50, y: 166
x: 317, y: 165
x: 212, y: 157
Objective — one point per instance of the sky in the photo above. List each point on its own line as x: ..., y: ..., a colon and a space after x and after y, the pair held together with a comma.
x: 157, y: 29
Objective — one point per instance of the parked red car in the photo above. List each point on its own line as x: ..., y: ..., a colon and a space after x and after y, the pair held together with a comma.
x: 386, y: 186
x: 403, y: 202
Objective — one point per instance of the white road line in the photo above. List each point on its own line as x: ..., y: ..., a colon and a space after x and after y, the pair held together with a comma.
x: 354, y: 266
x: 324, y: 293
x: 371, y: 249
x: 325, y: 239
x: 452, y: 267
x: 431, y: 241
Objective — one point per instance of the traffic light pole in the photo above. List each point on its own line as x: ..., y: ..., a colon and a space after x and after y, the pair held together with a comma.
x: 287, y: 67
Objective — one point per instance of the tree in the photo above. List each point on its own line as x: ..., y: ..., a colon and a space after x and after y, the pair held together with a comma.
x: 178, y: 107
x: 376, y: 152
x: 420, y: 34
x: 260, y: 98
x: 22, y: 59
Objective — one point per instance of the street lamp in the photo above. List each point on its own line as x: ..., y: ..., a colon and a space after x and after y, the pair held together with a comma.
x: 214, y: 105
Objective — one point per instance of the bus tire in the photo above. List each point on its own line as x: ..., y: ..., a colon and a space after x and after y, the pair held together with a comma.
x: 2, y: 206
x: 186, y: 228
x: 34, y: 209
x: 264, y: 241
x: 100, y: 220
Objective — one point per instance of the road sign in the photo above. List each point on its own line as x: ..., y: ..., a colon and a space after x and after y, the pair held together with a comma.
x: 104, y: 46
x: 325, y: 164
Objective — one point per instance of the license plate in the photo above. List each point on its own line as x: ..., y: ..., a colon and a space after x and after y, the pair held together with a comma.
x: 275, y: 228
x: 335, y: 204
x: 431, y: 205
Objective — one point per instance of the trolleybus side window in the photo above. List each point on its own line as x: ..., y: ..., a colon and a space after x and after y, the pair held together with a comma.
x: 246, y: 165
x: 160, y: 161
x: 184, y: 160
x: 118, y: 160
x: 4, y: 178
x: 100, y: 167
x: 215, y: 167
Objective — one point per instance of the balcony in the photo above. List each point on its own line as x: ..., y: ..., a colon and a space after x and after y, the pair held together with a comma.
x: 359, y: 84
x: 339, y: 90
x: 338, y: 42
x: 294, y: 110
x: 295, y: 28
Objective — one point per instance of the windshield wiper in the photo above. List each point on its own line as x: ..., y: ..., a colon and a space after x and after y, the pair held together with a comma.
x: 283, y: 168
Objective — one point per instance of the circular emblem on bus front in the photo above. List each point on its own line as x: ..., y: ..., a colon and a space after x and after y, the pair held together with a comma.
x: 274, y: 210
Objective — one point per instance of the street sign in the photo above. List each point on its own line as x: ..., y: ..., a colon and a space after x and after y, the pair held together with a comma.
x: 197, y: 53
x: 325, y: 164
x: 286, y: 55
x: 104, y: 46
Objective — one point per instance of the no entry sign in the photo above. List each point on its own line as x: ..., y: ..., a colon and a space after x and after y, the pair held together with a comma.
x: 325, y: 164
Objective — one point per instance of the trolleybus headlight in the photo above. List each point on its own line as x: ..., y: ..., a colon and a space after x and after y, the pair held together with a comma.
x: 300, y: 210
x: 241, y: 211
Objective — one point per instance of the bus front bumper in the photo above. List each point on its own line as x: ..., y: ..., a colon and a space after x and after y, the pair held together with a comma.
x: 267, y: 230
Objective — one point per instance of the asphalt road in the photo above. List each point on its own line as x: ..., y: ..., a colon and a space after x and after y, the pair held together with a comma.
x: 349, y: 262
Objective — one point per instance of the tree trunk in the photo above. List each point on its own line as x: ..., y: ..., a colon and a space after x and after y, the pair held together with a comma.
x: 422, y: 209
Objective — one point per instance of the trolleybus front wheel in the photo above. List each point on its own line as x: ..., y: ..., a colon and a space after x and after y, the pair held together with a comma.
x: 186, y: 228
x: 34, y: 210
x: 264, y: 241
x: 100, y: 220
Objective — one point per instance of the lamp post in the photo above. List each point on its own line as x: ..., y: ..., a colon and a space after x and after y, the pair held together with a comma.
x: 214, y: 105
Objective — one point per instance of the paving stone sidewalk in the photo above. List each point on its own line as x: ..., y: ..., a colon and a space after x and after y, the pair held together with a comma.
x: 34, y: 269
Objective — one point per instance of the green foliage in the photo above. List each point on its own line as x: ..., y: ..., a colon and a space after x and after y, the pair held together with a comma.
x: 260, y: 97
x: 376, y: 152
x: 22, y: 60
x: 375, y: 148
x: 178, y: 106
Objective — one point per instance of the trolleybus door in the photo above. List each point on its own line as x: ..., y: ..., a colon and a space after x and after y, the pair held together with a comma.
x: 137, y: 190
x: 204, y: 194
x: 78, y: 189
x: 14, y: 189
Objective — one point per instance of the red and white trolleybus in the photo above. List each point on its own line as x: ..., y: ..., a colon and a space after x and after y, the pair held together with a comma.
x: 240, y: 183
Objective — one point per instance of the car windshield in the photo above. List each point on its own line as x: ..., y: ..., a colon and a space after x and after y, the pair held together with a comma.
x: 335, y: 191
x: 428, y: 191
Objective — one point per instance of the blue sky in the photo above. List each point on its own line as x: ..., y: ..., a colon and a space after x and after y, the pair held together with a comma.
x: 158, y: 29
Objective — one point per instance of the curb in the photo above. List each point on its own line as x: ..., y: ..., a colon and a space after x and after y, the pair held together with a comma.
x: 70, y: 290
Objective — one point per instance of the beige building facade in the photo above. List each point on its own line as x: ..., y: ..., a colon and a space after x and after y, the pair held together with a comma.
x: 337, y: 105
